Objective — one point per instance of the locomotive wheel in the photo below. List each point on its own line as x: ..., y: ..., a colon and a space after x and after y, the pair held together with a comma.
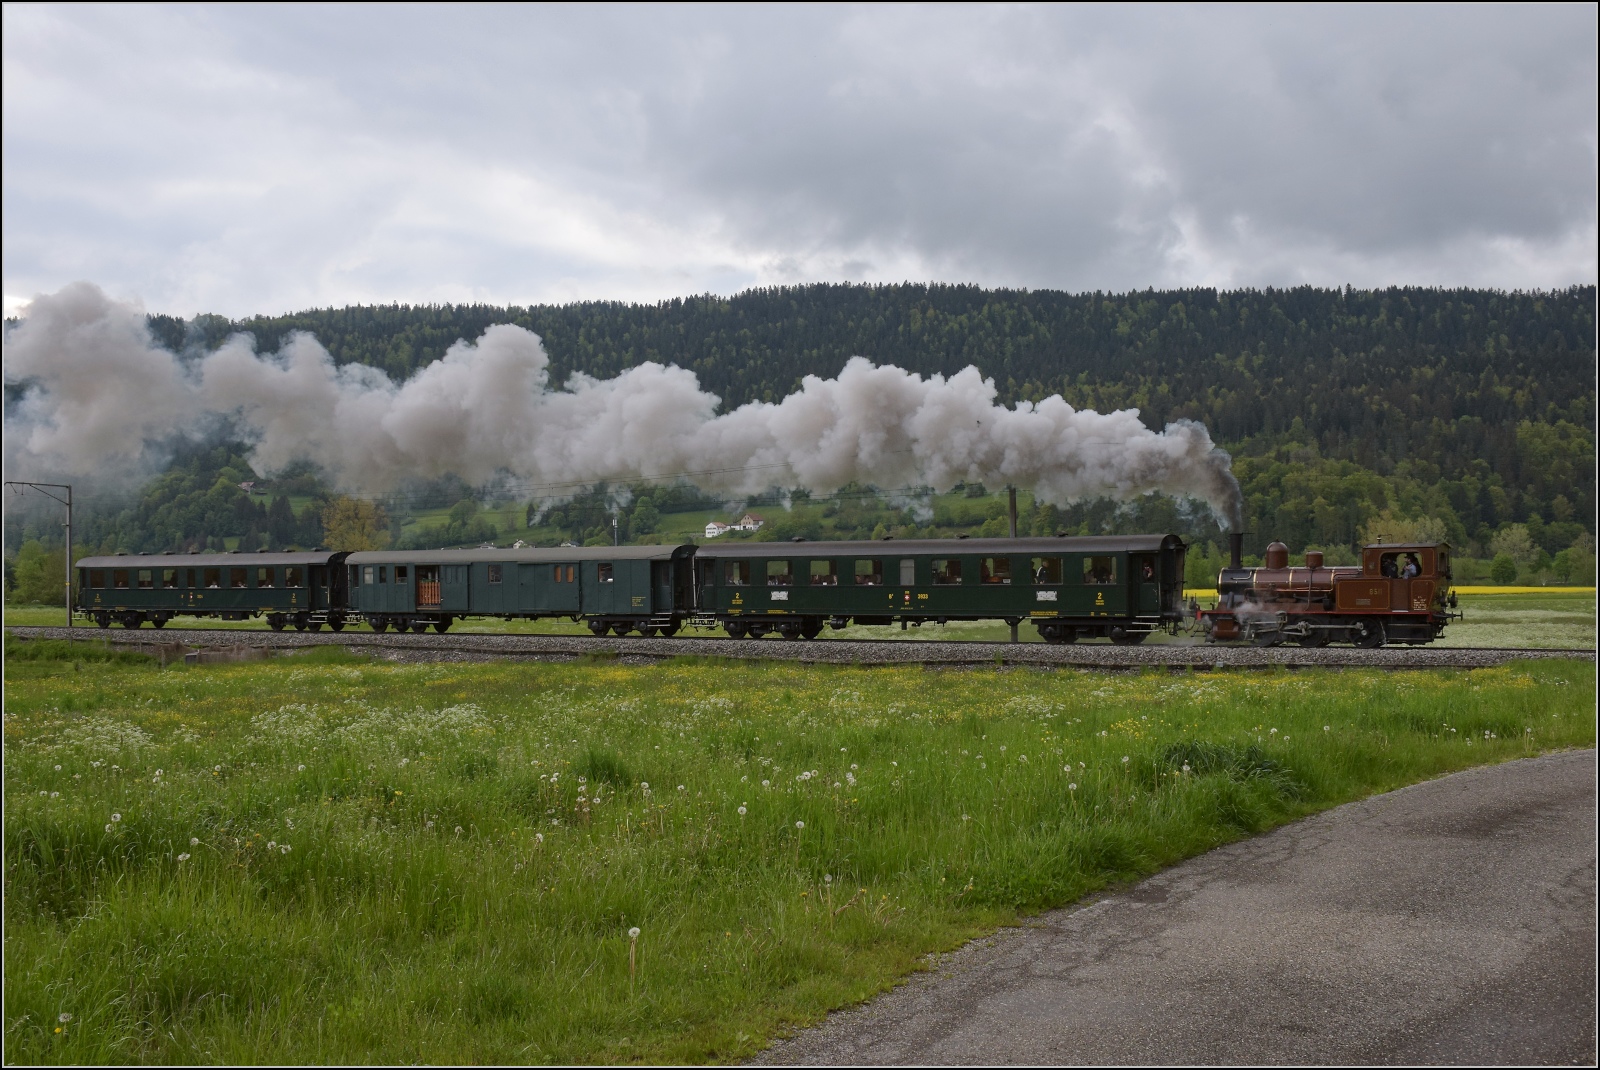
x: 1316, y: 640
x: 599, y: 628
x: 103, y: 619
x: 442, y: 625
x: 736, y: 629
x: 1367, y: 633
x: 132, y: 620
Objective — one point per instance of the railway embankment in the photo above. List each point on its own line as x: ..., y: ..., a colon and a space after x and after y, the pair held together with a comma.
x: 468, y: 647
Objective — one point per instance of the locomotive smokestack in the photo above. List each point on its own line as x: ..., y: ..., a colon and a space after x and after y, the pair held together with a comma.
x: 1236, y: 549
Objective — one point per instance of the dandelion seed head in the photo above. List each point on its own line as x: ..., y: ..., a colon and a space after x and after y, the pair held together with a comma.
x: 538, y: 837
x: 108, y: 828
x: 115, y: 818
x: 284, y: 848
x: 799, y: 824
x: 194, y: 841
x: 742, y: 811
x: 184, y: 857
x: 58, y: 769
x: 271, y: 844
x: 1072, y: 787
x: 63, y: 1017
x: 633, y: 933
x: 1124, y: 759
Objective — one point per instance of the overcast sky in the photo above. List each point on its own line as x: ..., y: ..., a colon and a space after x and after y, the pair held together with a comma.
x: 262, y: 159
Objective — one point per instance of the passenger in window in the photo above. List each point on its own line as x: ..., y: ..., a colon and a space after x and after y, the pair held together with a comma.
x: 1387, y: 568
x: 1147, y: 572
x: 1412, y: 569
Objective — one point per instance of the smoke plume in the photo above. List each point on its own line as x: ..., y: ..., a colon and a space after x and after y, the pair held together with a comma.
x: 98, y: 391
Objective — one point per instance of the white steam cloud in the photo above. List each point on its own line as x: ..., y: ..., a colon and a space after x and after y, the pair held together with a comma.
x: 96, y: 392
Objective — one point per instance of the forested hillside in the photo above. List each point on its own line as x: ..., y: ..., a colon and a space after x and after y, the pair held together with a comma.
x: 1469, y: 410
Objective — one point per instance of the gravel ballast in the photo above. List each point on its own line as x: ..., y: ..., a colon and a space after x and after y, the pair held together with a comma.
x: 477, y: 647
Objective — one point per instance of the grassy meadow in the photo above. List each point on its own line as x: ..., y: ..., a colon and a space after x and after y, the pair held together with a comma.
x: 327, y: 859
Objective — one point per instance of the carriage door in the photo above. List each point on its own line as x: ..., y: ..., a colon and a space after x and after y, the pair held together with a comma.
x: 319, y: 587
x: 1146, y: 581
x: 705, y: 573
x: 430, y: 592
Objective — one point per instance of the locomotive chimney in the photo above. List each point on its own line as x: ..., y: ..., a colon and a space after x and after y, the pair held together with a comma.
x: 1236, y: 549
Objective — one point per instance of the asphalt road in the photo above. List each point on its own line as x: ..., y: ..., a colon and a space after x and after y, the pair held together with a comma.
x: 1448, y: 922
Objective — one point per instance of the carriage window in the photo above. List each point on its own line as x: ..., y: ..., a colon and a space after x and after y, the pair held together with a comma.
x: 1046, y: 571
x: 400, y: 574
x: 605, y: 572
x: 190, y: 580
x: 558, y: 573
x: 736, y: 573
x: 1444, y: 564
x: 169, y: 577
x: 494, y: 573
x: 779, y: 574
x: 294, y: 576
x: 908, y: 571
x: 1099, y: 570
x: 144, y: 579
x: 994, y: 570
x: 119, y: 578
x: 213, y: 578
x: 238, y: 577
x: 824, y: 574
x: 383, y: 573
x: 368, y: 578
x: 97, y: 578
x: 869, y: 573
x: 572, y: 573
x: 946, y: 570
x: 264, y: 577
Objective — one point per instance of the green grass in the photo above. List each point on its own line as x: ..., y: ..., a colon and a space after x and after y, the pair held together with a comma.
x: 468, y: 845
x: 1525, y: 620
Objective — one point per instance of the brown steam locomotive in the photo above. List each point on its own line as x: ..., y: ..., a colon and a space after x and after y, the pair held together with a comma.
x: 1398, y: 594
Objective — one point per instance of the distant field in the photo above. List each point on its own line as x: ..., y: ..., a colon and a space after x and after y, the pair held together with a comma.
x: 1543, y: 619
x: 330, y: 860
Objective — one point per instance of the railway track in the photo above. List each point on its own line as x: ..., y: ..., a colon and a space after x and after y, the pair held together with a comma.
x: 478, y: 647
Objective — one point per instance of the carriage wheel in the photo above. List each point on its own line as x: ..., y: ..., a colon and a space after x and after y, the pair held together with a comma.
x: 275, y: 621
x: 103, y: 619
x: 622, y: 629
x: 158, y: 622
x: 789, y: 629
x: 670, y: 630
x: 442, y: 625
x: 379, y: 624
x: 599, y: 628
x: 811, y: 630
x: 736, y: 629
x: 1123, y: 637
x: 419, y: 626
x: 337, y: 624
x: 315, y: 626
x: 132, y: 620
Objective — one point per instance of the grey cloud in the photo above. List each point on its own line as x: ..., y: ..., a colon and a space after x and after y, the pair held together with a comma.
x: 262, y: 158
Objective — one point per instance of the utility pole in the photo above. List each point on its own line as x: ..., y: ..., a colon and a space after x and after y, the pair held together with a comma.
x: 616, y: 532
x: 46, y: 489
x: 1013, y: 493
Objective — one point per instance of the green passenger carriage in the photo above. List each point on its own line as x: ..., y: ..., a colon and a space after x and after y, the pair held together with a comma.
x: 302, y: 589
x: 1117, y: 587
x: 614, y: 588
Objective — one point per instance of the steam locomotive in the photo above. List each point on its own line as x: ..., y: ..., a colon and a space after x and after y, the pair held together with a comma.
x: 1121, y: 588
x: 1399, y: 593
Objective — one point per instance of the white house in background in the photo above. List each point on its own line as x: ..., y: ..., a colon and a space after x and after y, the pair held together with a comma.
x: 748, y: 522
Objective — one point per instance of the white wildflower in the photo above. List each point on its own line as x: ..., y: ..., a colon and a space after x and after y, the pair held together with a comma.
x: 184, y: 857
